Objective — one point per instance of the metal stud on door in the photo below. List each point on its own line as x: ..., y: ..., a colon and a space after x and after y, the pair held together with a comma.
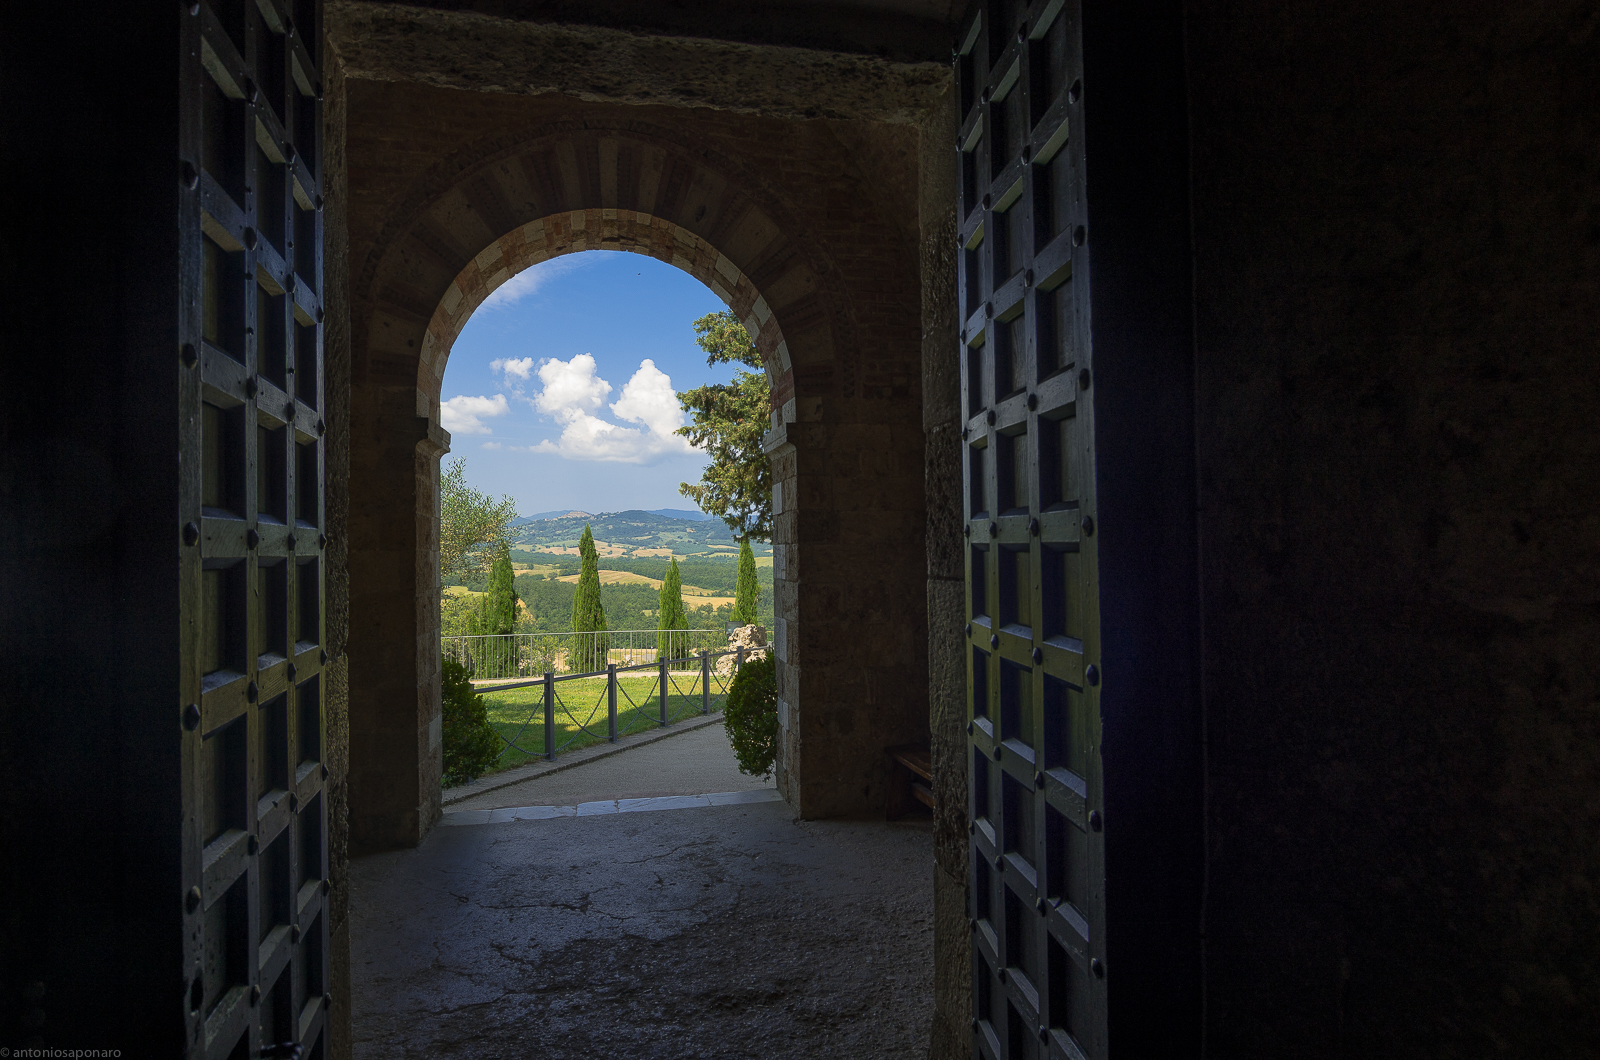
x: 1039, y: 987
x: 252, y: 515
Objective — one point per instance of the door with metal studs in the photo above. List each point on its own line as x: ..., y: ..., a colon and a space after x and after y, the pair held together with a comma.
x: 252, y: 453
x: 1037, y: 883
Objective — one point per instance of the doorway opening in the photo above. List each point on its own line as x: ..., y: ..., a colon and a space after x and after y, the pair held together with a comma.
x: 562, y: 398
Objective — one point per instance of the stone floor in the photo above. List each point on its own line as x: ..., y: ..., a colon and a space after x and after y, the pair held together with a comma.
x: 720, y: 931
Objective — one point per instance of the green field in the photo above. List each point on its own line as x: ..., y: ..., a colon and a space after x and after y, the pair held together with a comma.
x: 581, y: 709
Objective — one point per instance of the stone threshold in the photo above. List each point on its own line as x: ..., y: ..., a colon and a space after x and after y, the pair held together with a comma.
x: 595, y: 809
x: 582, y: 756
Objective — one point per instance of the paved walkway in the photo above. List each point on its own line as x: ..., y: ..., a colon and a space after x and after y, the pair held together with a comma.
x: 717, y: 927
x: 601, y: 806
x: 692, y: 762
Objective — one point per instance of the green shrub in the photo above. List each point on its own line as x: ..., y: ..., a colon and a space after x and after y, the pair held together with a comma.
x: 471, y: 745
x: 751, y: 716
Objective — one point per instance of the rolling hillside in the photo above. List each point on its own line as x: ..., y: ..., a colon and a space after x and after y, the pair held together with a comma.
x: 631, y: 534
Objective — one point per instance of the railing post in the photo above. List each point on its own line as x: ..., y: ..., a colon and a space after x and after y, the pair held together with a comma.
x: 611, y: 701
x: 549, y: 715
x: 738, y: 659
x: 705, y: 681
x: 663, y: 667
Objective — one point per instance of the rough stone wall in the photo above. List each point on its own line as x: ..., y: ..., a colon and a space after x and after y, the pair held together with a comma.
x: 947, y: 675
x: 336, y: 464
x: 841, y: 192
x: 899, y: 29
x: 401, y: 43
x: 1397, y: 258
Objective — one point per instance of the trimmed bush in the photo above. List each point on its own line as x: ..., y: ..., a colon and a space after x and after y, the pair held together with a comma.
x: 751, y: 716
x: 471, y: 745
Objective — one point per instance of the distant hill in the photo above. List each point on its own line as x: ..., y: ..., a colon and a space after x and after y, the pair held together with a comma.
x: 631, y: 533
x: 692, y: 514
x: 548, y: 515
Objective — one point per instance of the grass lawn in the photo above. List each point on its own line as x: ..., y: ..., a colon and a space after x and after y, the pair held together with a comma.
x: 581, y: 709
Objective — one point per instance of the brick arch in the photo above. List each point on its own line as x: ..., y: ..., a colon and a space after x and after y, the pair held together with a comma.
x: 502, y: 202
x: 604, y: 229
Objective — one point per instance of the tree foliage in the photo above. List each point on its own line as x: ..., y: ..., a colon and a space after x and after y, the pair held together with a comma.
x: 751, y: 716
x: 588, y: 614
x: 727, y: 420
x: 747, y: 592
x: 470, y: 743
x: 471, y: 525
x: 670, y: 613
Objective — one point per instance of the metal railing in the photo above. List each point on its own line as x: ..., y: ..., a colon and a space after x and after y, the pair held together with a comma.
x: 695, y: 682
x: 511, y: 656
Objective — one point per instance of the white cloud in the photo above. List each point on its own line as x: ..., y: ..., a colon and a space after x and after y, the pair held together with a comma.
x: 573, y: 394
x: 571, y: 388
x: 465, y: 415
x: 530, y: 280
x: 496, y: 446
x: 512, y: 367
x: 648, y: 398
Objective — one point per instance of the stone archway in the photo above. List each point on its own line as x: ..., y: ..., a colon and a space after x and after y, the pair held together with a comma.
x: 837, y: 337
x: 604, y: 229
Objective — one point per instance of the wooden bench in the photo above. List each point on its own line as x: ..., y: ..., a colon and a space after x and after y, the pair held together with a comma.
x: 910, y: 781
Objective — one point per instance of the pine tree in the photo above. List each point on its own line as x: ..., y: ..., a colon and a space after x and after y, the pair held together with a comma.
x: 728, y: 421
x: 588, y: 614
x: 673, y: 616
x: 747, y: 593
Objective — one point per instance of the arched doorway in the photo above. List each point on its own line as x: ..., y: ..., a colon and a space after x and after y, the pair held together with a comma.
x: 838, y: 336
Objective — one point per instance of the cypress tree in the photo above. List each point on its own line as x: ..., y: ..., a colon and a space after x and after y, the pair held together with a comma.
x: 673, y: 616
x: 499, y: 617
x: 502, y: 595
x: 747, y: 592
x: 588, y: 614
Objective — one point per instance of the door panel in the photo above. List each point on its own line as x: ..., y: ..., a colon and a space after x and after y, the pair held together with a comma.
x: 1032, y: 601
x: 255, y: 853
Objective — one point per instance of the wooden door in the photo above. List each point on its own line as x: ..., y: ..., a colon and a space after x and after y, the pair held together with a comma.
x: 1037, y: 884
x: 255, y: 832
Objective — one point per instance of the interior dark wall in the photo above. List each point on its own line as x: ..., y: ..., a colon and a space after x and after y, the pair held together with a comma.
x: 89, y: 541
x: 1397, y: 256
x: 1140, y: 306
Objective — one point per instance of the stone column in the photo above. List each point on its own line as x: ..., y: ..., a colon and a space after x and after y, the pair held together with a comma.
x: 785, y: 609
x: 395, y: 739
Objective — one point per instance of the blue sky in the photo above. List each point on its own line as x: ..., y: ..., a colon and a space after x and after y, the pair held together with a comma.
x: 561, y: 390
